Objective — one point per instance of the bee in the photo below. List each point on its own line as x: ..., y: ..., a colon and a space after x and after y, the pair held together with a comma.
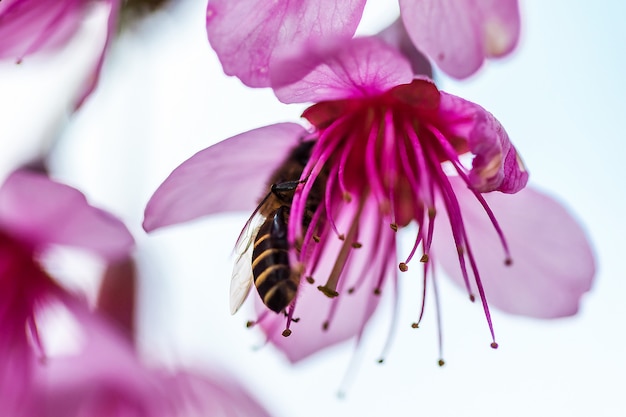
x: 262, y: 247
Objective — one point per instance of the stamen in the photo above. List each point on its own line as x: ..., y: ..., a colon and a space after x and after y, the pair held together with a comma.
x: 372, y: 155
x: 331, y: 284
x: 423, y: 304
x: 438, y: 312
x: 453, y: 157
x: 389, y: 173
x: 394, y: 316
x: 328, y: 198
x: 418, y: 240
x: 325, y: 146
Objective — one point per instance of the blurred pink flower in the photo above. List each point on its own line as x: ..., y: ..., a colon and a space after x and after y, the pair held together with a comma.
x: 457, y: 34
x: 388, y: 150
x: 31, y: 26
x: 36, y: 213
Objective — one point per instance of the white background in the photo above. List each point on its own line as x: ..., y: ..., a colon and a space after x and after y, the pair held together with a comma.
x: 162, y: 97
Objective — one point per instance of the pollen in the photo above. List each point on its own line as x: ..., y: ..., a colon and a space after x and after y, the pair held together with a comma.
x: 494, y: 345
x: 424, y: 258
x: 415, y: 325
x: 403, y: 267
x: 310, y: 280
x: 508, y: 261
x: 394, y: 227
x: 250, y: 323
x: 327, y: 291
x: 357, y: 245
x: 286, y: 333
x: 441, y: 362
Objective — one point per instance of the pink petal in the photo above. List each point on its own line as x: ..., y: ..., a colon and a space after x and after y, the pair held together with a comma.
x: 92, y: 81
x: 496, y: 164
x: 104, y: 377
x: 459, y: 34
x: 28, y: 26
x: 37, y: 210
x: 348, y: 313
x: 553, y: 263
x: 236, y: 169
x: 396, y: 36
x: 215, y: 394
x: 360, y: 67
x: 245, y: 33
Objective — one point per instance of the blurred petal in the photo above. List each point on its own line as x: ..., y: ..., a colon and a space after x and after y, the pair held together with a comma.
x: 363, y: 67
x: 496, y: 165
x: 553, y: 264
x: 40, y: 211
x: 459, y: 34
x: 244, y: 34
x: 396, y: 36
x: 228, y: 176
x: 27, y: 26
x: 92, y: 80
x: 104, y: 378
x: 215, y: 395
x: 347, y: 314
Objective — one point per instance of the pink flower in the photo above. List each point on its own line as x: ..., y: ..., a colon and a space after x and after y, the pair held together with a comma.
x: 457, y: 34
x: 31, y: 26
x: 385, y: 151
x: 36, y: 213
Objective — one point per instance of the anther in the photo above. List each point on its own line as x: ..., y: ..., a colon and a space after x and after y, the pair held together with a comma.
x: 310, y: 279
x: 342, y: 237
x: 415, y: 325
x: 472, y: 298
x: 494, y: 345
x: 377, y: 291
x: 424, y: 258
x: 347, y: 197
x: 350, y: 290
x: 316, y: 238
x: 295, y: 319
x: 357, y: 245
x: 403, y: 267
x: 325, y: 325
x: 381, y: 360
x: 286, y: 332
x: 394, y: 227
x: 432, y: 213
x: 441, y: 362
x: 327, y: 291
x: 508, y: 261
x: 250, y: 323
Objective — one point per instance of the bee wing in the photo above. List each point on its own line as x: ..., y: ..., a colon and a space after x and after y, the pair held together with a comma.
x: 242, y: 278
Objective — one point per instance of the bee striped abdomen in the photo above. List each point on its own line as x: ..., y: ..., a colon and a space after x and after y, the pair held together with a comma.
x: 270, y: 263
